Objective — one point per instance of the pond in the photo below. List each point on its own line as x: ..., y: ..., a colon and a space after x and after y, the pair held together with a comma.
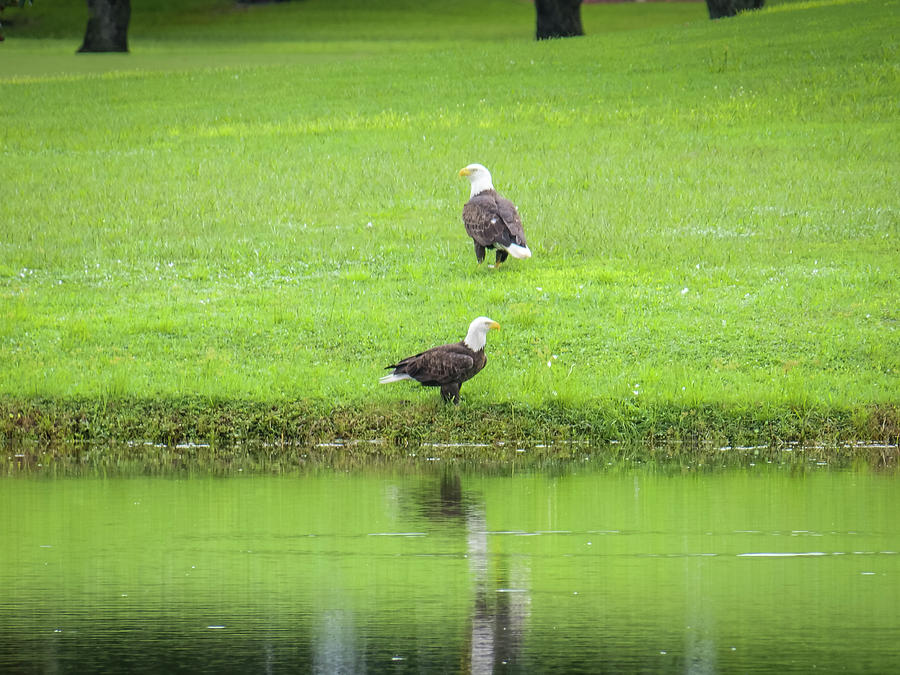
x: 450, y: 569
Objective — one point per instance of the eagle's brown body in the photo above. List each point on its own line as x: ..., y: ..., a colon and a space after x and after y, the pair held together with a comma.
x: 447, y: 367
x: 493, y: 222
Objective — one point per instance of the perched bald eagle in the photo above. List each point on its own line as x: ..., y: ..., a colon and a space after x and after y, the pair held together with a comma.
x: 491, y: 220
x: 447, y: 366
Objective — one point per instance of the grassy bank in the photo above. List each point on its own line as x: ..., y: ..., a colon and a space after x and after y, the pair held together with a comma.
x: 258, y: 210
x: 224, y: 436
x: 225, y: 431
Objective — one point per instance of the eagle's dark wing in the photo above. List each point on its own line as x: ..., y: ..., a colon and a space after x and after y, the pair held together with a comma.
x: 510, y: 215
x: 439, y: 365
x: 484, y: 221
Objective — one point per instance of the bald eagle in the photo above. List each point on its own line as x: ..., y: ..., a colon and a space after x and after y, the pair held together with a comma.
x: 447, y: 366
x: 491, y: 220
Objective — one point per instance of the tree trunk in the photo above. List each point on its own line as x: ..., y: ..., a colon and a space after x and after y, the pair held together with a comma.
x: 558, y: 18
x: 107, y: 28
x: 722, y: 8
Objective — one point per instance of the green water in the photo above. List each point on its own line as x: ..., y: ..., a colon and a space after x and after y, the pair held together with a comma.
x: 753, y: 570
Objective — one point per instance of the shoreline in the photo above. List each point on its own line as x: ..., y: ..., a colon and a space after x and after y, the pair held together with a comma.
x: 196, y: 428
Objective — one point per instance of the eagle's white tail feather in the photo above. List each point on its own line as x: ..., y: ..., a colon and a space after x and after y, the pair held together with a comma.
x: 394, y: 377
x: 520, y: 252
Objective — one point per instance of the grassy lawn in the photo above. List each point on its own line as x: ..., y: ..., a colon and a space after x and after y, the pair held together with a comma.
x: 260, y: 207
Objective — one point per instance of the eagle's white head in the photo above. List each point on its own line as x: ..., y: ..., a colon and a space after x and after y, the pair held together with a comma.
x: 478, y: 330
x: 479, y: 177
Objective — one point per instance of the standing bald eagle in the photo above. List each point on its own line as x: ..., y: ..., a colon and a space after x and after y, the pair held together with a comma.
x: 491, y: 220
x: 447, y: 366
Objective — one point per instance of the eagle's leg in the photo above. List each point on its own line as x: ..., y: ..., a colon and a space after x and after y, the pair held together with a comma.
x: 501, y: 257
x: 450, y: 392
x: 479, y: 252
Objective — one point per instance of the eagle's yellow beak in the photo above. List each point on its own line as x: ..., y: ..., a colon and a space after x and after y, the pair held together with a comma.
x: 465, y: 172
x: 493, y: 325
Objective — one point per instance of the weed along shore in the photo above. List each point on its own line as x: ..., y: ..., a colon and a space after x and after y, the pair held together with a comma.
x: 224, y: 237
x: 223, y: 430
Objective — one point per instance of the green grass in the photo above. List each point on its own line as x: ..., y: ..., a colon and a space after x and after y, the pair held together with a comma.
x: 261, y: 206
x: 325, y: 21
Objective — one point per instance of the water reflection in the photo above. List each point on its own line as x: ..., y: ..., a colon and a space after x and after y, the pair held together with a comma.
x: 500, y: 597
x: 336, y: 644
x: 451, y: 571
x: 500, y: 607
